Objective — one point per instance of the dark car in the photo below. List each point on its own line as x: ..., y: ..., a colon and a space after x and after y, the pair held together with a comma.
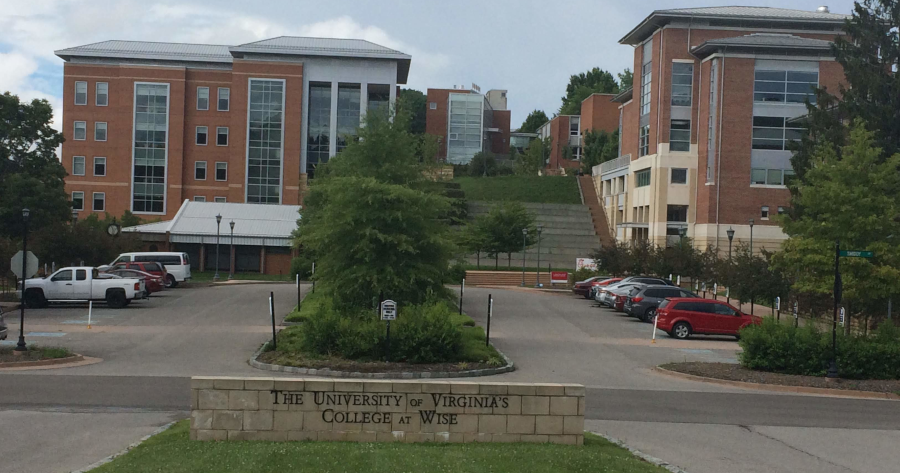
x: 682, y: 318
x: 152, y: 282
x: 643, y: 303
x: 586, y: 287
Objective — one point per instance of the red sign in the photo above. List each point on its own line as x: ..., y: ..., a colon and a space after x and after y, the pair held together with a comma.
x: 559, y: 277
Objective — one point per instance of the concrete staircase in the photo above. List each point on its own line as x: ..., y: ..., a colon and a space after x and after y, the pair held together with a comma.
x: 598, y: 215
x: 568, y: 234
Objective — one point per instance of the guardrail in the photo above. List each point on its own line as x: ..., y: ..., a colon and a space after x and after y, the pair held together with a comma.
x: 612, y: 165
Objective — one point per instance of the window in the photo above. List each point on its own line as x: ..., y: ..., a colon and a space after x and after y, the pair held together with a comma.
x: 80, y: 93
x: 646, y: 73
x: 774, y: 133
x: 202, y: 137
x: 62, y: 276
x: 99, y: 166
x: 202, y: 98
x: 99, y: 131
x: 720, y: 309
x: 199, y: 198
x: 220, y: 200
x: 78, y: 165
x: 78, y: 200
x: 432, y: 105
x: 264, y: 147
x: 764, y: 212
x: 200, y: 170
x: 680, y: 135
x: 80, y: 131
x: 644, y: 141
x: 379, y: 97
x: 224, y: 99
x: 710, y: 123
x: 99, y: 201
x: 785, y: 86
x: 466, y: 122
x: 770, y: 177
x: 222, y: 136
x: 780, y: 210
x: 349, y: 96
x: 679, y: 176
x: 676, y: 213
x: 642, y: 178
x: 574, y: 123
x: 80, y: 274
x: 221, y: 171
x: 682, y: 80
x: 101, y: 98
x: 151, y: 114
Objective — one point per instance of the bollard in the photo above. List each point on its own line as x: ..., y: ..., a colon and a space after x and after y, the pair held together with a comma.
x: 487, y: 338
x: 90, y: 310
x: 272, y: 313
x: 653, y: 339
x: 462, y: 288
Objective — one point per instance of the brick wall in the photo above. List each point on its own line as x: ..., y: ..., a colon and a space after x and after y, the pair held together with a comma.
x: 598, y: 112
x: 500, y: 141
x: 279, y: 409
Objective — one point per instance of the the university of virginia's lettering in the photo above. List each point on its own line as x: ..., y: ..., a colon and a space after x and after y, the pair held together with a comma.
x: 406, y: 411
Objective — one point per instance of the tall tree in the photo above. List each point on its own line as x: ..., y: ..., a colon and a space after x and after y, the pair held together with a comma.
x: 583, y: 85
x: 534, y: 158
x: 599, y: 147
x: 502, y: 227
x: 533, y: 121
x: 626, y: 79
x: 413, y: 103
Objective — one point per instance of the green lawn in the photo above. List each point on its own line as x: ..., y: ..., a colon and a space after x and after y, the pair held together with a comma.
x: 172, y: 452
x: 543, y: 189
x: 207, y: 276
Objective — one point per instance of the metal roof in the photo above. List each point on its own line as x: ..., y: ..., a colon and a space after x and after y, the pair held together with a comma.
x: 624, y: 95
x: 195, y: 222
x: 659, y: 18
x: 764, y: 41
x: 319, y: 46
x: 149, y: 50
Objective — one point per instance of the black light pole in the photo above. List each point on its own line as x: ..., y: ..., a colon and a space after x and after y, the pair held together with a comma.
x: 21, y: 347
x: 832, y: 371
x: 218, y: 224
x: 231, y: 253
x: 540, y: 228
x: 730, y: 234
x: 524, y: 239
x: 751, y: 237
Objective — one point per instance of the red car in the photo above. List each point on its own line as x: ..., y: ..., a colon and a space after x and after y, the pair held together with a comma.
x: 155, y: 269
x: 152, y: 283
x: 682, y: 317
x: 584, y: 288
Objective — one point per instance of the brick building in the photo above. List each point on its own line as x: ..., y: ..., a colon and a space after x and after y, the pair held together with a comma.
x: 467, y: 122
x: 705, y: 129
x: 598, y: 112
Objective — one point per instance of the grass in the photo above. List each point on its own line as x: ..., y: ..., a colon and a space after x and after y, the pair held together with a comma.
x: 34, y: 353
x: 171, y: 451
x: 207, y: 276
x: 542, y: 189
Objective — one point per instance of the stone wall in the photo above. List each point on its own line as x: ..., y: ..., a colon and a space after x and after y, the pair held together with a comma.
x: 279, y: 409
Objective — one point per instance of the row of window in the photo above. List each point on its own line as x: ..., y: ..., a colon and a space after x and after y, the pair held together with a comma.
x: 202, y: 137
x: 101, y: 93
x: 98, y: 201
x: 223, y: 101
x: 201, y: 198
x: 80, y: 131
x: 200, y: 171
x: 78, y: 166
x: 771, y: 177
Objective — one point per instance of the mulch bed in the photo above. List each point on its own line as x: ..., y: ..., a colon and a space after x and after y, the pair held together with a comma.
x: 340, y: 364
x: 735, y: 372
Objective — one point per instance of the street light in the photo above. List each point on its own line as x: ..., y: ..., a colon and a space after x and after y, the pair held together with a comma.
x: 730, y: 233
x: 751, y: 237
x: 231, y: 253
x: 218, y: 222
x: 524, y: 239
x: 21, y: 346
x: 540, y: 228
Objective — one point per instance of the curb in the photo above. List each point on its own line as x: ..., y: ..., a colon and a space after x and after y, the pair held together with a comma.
x: 112, y: 457
x: 643, y: 456
x: 48, y: 362
x: 779, y: 388
x: 400, y: 375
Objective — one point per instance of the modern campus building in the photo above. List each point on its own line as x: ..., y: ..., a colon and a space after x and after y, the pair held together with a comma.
x: 705, y: 130
x: 598, y: 113
x: 467, y: 123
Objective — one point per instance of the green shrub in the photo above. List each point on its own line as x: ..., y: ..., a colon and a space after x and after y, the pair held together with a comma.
x: 583, y: 273
x: 426, y: 334
x: 328, y: 332
x: 455, y: 274
x: 302, y: 264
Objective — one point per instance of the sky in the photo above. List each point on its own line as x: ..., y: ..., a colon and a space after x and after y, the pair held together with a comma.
x: 529, y: 48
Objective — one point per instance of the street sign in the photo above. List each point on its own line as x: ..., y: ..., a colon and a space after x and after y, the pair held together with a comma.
x: 796, y: 310
x: 559, y: 277
x: 857, y: 254
x: 15, y: 263
x: 388, y: 310
x: 842, y: 317
x: 777, y: 303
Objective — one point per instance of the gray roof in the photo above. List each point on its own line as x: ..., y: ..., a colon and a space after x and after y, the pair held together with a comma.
x: 658, y: 18
x: 764, y: 41
x: 624, y: 95
x: 150, y: 50
x: 307, y: 46
x: 195, y: 222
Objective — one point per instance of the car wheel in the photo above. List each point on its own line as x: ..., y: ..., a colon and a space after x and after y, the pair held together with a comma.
x: 649, y: 315
x: 681, y: 330
x: 116, y: 299
x: 170, y: 281
x: 35, y: 299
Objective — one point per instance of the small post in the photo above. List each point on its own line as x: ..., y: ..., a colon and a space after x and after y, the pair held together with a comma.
x: 777, y: 308
x: 272, y: 313
x: 487, y: 339
x: 653, y: 339
x: 889, y: 307
x: 298, y: 290
x: 716, y: 291
x: 313, y: 276
x: 796, y: 314
x: 90, y: 310
x: 462, y: 289
x: 388, y: 341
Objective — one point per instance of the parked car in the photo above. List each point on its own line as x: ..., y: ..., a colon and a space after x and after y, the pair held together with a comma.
x: 682, y: 317
x: 152, y: 282
x: 585, y: 288
x: 156, y: 269
x: 621, y: 296
x: 4, y: 330
x: 643, y: 303
x: 607, y: 295
x: 81, y: 284
x: 177, y: 264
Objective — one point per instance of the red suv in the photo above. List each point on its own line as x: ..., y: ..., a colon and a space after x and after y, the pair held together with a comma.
x: 683, y: 317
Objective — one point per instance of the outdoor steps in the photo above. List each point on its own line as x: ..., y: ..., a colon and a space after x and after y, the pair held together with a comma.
x: 598, y: 215
x: 506, y: 278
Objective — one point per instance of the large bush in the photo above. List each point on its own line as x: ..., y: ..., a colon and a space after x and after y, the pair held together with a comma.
x: 807, y: 351
x: 426, y: 334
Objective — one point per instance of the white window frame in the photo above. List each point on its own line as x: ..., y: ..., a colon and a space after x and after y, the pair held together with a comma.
x: 220, y: 200
x: 219, y: 99
x: 217, y: 135
x: 168, y: 135
x: 672, y: 173
x: 197, y: 167
x: 764, y: 212
x: 283, y: 130
x: 94, y: 167
x: 198, y: 98
x: 75, y: 128
x: 199, y: 198
x: 82, y: 200
x: 197, y: 135
x: 216, y: 176
x: 85, y: 92
x: 83, y: 165
x: 673, y: 130
x: 105, y: 130
x: 94, y: 199
x: 97, y: 94
x: 432, y: 105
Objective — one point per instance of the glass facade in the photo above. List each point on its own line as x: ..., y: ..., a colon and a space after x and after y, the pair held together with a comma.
x: 347, y: 114
x: 680, y: 135
x: 379, y: 97
x: 785, y: 86
x: 465, y: 137
x: 682, y: 82
x: 265, y: 124
x: 151, y: 125
x: 642, y: 178
x: 318, y: 126
x: 774, y: 133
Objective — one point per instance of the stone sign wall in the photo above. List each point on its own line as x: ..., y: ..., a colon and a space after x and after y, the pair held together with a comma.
x: 280, y: 409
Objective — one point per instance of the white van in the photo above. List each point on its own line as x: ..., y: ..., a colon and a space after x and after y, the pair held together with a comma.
x: 178, y: 265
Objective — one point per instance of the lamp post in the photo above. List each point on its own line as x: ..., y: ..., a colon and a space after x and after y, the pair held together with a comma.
x: 540, y: 228
x: 524, y: 240
x: 730, y: 234
x: 21, y: 346
x: 218, y: 222
x: 751, y: 237
x: 231, y: 253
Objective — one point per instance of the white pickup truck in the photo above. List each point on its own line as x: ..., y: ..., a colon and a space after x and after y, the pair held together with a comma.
x: 82, y: 284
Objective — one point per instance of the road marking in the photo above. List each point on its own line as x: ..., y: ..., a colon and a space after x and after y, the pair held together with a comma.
x: 46, y: 334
